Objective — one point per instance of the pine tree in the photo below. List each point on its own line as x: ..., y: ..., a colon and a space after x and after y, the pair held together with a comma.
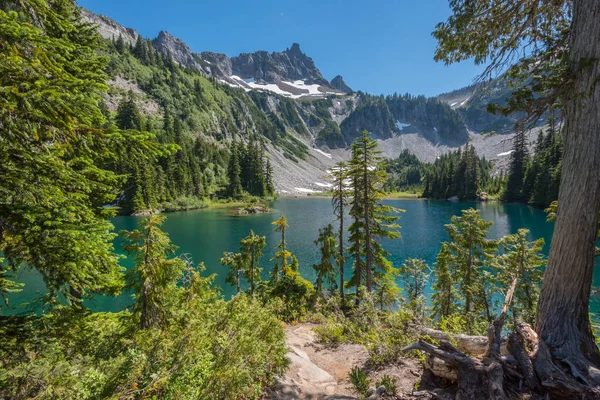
x: 245, y: 262
x: 154, y: 277
x: 234, y: 188
x: 54, y: 152
x: 140, y: 50
x: 387, y: 291
x: 376, y: 219
x: 269, y: 187
x: 415, y: 274
x: 128, y: 114
x: 325, y: 269
x: 120, y: 44
x: 521, y: 260
x: 282, y: 256
x: 251, y: 248
x: 235, y: 262
x: 444, y: 298
x: 339, y: 201
x: 518, y: 165
x: 469, y: 253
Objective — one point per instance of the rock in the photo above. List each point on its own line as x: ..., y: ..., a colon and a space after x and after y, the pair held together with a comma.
x: 289, y: 65
x: 220, y: 64
x: 381, y: 390
x: 108, y: 28
x: 252, y: 209
x: 370, y: 393
x: 454, y: 199
x: 339, y: 84
x: 179, y: 51
x: 483, y: 196
x: 145, y: 213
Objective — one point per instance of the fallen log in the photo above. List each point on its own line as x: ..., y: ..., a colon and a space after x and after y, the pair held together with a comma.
x: 476, y: 380
x: 474, y: 345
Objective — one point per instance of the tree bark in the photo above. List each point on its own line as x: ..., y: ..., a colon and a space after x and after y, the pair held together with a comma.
x: 341, y: 238
x: 367, y: 210
x: 562, y: 315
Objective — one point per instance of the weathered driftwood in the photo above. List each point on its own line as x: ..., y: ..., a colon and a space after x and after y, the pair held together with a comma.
x: 530, y: 367
x: 475, y: 345
x: 476, y: 380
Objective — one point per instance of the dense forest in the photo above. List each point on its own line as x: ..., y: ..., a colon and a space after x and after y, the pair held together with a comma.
x: 531, y: 178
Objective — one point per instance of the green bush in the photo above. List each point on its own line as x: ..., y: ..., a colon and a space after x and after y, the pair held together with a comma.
x: 332, y: 333
x: 394, y: 334
x: 360, y: 381
x: 211, y: 349
x: 389, y: 382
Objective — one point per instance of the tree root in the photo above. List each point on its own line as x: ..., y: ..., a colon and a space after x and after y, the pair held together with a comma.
x: 520, y: 363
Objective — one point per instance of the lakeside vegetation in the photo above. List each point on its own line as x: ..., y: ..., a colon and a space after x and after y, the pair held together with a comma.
x: 63, y: 157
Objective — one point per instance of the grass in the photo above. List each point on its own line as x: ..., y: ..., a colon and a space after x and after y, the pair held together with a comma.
x: 403, y: 195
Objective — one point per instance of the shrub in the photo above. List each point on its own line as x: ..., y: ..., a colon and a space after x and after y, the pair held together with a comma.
x: 389, y: 382
x: 211, y: 349
x: 360, y: 381
x: 333, y: 333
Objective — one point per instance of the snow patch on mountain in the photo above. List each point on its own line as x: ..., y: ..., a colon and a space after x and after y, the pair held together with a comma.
x: 401, y: 125
x: 292, y: 90
x: 506, y: 153
x: 304, y: 190
x: 322, y: 153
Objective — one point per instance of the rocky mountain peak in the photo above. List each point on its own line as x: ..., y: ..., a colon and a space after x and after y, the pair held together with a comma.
x: 339, y: 84
x: 289, y: 65
x: 108, y: 28
x: 179, y: 51
x: 295, y: 49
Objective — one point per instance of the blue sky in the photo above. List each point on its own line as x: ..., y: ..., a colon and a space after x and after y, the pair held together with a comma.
x: 378, y: 46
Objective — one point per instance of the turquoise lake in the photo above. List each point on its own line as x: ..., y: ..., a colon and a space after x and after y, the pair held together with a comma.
x: 205, y: 234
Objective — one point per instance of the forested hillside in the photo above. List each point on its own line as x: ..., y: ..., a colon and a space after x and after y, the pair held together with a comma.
x: 213, y: 107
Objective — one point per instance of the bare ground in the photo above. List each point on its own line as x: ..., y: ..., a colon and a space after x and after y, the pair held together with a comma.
x: 318, y: 372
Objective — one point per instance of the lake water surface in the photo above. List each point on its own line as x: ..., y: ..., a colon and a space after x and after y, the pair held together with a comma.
x: 205, y: 234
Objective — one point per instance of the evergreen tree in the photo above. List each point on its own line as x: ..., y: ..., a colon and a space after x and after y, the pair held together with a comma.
x: 444, y: 297
x: 235, y: 262
x: 339, y: 201
x: 245, y: 262
x: 356, y: 235
x: 269, y: 187
x: 414, y: 274
x: 120, y: 44
x: 140, y: 50
x: 518, y: 164
x: 54, y: 152
x: 387, y: 291
x: 154, y: 277
x: 467, y: 255
x: 251, y: 248
x: 376, y: 221
x: 282, y: 256
x: 325, y: 270
x: 234, y: 189
x: 128, y: 115
x: 521, y: 260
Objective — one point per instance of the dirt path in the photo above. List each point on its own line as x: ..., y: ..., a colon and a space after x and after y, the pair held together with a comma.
x: 321, y: 373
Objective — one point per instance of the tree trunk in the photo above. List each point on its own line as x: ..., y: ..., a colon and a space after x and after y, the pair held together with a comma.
x: 562, y: 315
x: 341, y: 249
x: 367, y: 210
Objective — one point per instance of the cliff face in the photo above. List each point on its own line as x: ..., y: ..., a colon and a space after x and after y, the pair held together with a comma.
x: 289, y: 65
x: 339, y: 84
x: 110, y: 29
